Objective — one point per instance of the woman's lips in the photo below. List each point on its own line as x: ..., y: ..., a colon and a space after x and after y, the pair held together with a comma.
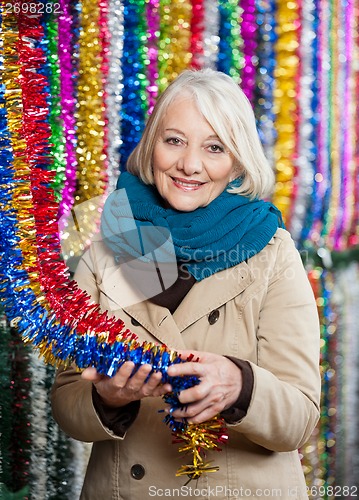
x: 187, y: 184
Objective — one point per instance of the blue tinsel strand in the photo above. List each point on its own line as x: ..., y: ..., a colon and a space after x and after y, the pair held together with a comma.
x: 133, y: 109
x: 314, y: 211
x: 264, y: 94
x: 224, y: 58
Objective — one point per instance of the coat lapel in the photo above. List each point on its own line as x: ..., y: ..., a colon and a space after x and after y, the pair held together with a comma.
x: 159, y: 322
x: 203, y: 297
x: 212, y: 293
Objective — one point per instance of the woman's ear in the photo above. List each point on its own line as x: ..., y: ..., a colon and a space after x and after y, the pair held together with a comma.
x: 237, y: 172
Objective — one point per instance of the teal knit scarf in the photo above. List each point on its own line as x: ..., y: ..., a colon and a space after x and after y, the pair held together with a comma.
x: 230, y: 229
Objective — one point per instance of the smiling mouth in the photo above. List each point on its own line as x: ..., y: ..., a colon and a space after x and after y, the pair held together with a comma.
x: 189, y: 184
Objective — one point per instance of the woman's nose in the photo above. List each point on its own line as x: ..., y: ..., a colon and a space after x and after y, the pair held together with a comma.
x: 191, y: 161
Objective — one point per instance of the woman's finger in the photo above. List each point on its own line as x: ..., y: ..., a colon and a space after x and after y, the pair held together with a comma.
x: 203, y: 416
x: 161, y: 390
x: 137, y: 380
x: 124, y: 373
x: 91, y: 374
x: 197, y: 412
x: 188, y: 368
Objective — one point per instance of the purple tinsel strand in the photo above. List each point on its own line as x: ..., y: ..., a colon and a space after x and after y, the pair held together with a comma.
x: 249, y: 32
x: 153, y: 23
x: 68, y: 105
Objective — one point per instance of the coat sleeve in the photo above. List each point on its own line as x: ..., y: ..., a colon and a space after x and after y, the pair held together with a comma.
x: 72, y: 397
x: 73, y: 409
x: 284, y: 407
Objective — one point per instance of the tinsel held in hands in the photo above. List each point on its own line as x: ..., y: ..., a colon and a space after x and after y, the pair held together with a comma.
x: 49, y: 310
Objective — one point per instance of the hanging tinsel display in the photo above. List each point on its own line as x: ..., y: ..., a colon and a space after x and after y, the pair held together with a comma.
x: 265, y: 81
x: 68, y: 55
x: 134, y: 81
x: 78, y: 332
x: 210, y: 33
x: 15, y: 411
x: 342, y: 147
x: 113, y: 86
x: 330, y: 457
x: 230, y: 58
x: 90, y: 111
x: 49, y: 46
x: 305, y: 161
x: 91, y: 124
x: 78, y: 81
x: 286, y: 105
x: 335, y: 187
x: 249, y: 28
x: 153, y: 26
x: 196, y: 30
x: 318, y: 460
x: 174, y: 40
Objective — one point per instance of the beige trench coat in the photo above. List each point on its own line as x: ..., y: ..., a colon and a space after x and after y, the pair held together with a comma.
x: 268, y: 316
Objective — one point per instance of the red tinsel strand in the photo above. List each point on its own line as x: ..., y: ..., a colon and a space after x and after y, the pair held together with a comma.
x: 197, y: 27
x: 52, y: 271
x: 105, y: 47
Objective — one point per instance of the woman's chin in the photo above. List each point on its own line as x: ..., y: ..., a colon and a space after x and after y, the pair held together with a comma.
x: 183, y: 205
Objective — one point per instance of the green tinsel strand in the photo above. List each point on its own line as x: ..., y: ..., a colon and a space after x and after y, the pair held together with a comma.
x: 323, y: 257
x: 60, y: 458
x: 57, y: 140
x: 5, y: 494
x: 20, y: 439
x: 174, y: 39
x: 5, y: 403
x: 231, y: 43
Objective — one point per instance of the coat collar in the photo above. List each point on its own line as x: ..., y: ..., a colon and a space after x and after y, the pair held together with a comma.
x: 212, y: 293
x: 203, y: 297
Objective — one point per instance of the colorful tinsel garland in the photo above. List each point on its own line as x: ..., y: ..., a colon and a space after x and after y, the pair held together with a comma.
x: 49, y: 310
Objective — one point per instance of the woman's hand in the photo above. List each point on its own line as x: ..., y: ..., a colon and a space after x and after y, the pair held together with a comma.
x: 219, y: 388
x: 122, y: 389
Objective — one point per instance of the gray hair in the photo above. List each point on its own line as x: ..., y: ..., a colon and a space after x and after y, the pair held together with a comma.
x: 228, y: 111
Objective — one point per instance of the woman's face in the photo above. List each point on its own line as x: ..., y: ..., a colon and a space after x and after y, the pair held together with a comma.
x: 191, y: 166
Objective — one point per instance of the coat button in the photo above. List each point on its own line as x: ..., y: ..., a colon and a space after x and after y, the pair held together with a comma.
x: 213, y: 316
x: 137, y: 471
x: 135, y: 322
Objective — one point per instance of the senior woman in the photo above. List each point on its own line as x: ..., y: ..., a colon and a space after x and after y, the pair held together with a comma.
x: 239, y: 300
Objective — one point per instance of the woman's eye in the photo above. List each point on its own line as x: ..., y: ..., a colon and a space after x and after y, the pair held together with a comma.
x: 173, y: 140
x: 216, y: 148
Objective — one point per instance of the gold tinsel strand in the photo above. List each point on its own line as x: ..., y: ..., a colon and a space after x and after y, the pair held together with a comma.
x: 78, y: 228
x: 196, y: 439
x: 174, y: 40
x: 22, y: 197
x: 285, y: 103
x: 335, y: 95
x: 91, y: 178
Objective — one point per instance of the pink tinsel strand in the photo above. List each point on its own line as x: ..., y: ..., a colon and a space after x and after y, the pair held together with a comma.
x: 68, y: 104
x: 153, y: 27
x: 105, y: 44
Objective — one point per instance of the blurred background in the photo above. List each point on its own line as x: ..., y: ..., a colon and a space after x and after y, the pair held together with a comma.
x: 78, y: 81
